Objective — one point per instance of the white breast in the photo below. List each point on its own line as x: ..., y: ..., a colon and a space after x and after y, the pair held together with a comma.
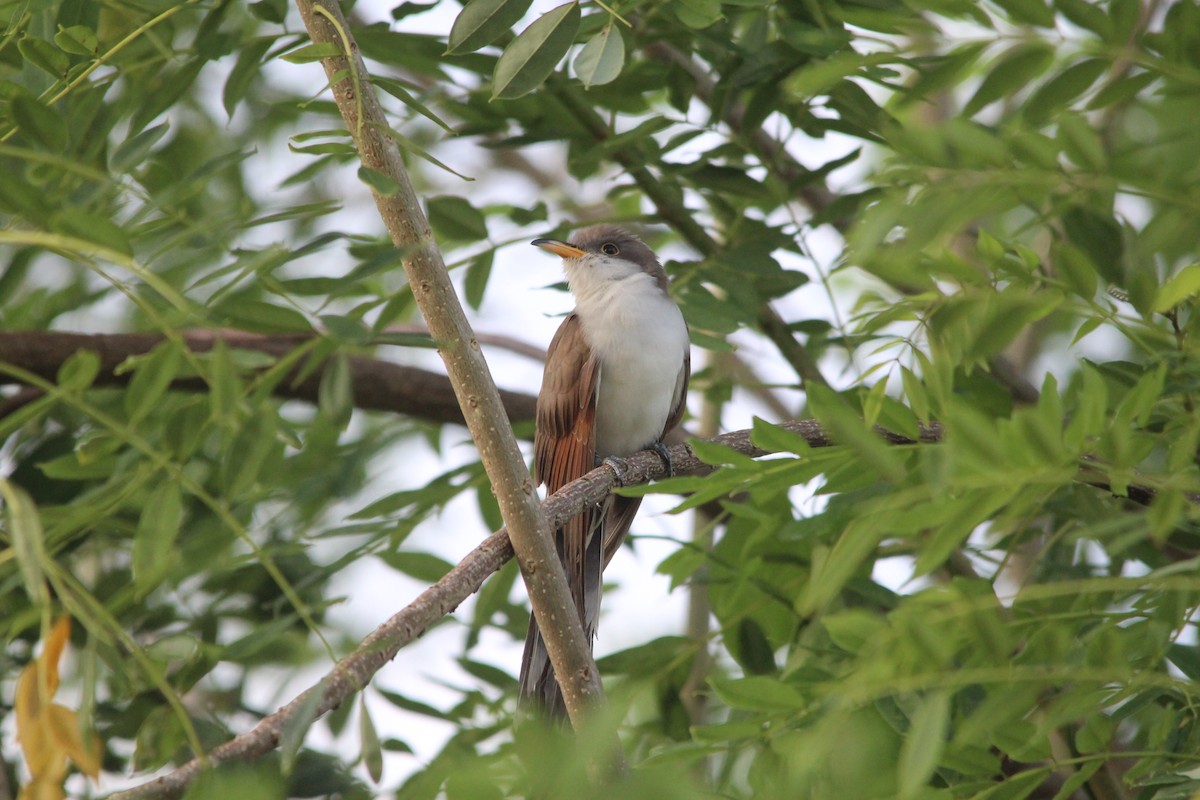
x: 641, y: 340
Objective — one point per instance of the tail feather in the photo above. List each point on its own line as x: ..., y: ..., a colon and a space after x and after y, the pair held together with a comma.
x: 606, y: 528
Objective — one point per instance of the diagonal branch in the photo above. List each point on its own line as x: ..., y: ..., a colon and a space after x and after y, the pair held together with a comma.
x: 400, y: 209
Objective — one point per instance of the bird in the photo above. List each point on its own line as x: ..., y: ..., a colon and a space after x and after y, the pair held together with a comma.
x: 615, y: 383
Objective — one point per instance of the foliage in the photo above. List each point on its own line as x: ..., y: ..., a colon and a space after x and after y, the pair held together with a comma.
x: 1018, y: 199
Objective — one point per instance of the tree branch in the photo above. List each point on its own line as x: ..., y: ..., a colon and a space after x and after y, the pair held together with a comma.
x: 378, y: 385
x: 569, y: 650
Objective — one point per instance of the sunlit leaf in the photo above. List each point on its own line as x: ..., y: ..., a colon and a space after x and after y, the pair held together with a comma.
x: 482, y: 22
x: 532, y: 56
x: 601, y: 59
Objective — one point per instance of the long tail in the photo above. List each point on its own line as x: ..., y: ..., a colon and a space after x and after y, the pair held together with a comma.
x: 604, y: 528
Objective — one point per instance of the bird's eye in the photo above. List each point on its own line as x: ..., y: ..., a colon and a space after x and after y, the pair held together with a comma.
x: 610, y: 249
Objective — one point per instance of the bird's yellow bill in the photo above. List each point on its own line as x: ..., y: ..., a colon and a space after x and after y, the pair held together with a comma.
x: 558, y: 248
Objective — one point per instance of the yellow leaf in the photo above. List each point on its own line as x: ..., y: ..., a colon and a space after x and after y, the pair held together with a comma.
x: 42, y: 790
x: 64, y: 728
x: 48, y: 732
x: 60, y: 634
x: 31, y: 735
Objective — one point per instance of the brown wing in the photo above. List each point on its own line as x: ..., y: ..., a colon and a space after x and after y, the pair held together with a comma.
x: 564, y: 443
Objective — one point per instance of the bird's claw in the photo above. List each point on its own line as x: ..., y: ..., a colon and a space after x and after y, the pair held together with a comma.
x: 665, y: 455
x: 619, y: 466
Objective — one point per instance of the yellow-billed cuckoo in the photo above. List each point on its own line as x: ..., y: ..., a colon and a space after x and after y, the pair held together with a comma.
x: 615, y: 383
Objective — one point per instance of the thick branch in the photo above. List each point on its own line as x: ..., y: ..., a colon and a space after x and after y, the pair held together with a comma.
x: 378, y: 385
x: 356, y: 100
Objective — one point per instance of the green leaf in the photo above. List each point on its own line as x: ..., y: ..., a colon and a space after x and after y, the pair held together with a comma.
x: 372, y: 754
x: 1180, y: 287
x: 425, y: 567
x: 245, y: 71
x: 134, y: 150
x: 601, y: 59
x: 1088, y: 16
x: 1015, y: 69
x: 255, y: 444
x: 1075, y: 268
x: 335, y: 395
x: 175, y: 647
x: 1063, y: 88
x: 26, y: 538
x: 261, y: 317
x: 79, y: 40
x: 1080, y: 141
x: 295, y: 729
x: 475, y: 282
x: 698, y: 14
x: 157, y: 530
x: 757, y: 693
x: 775, y: 439
x: 832, y: 568
x: 79, y: 371
x: 43, y: 55
x: 753, y: 651
x: 155, y: 373
x: 1030, y: 12
x: 313, y: 52
x: 398, y: 91
x: 93, y: 228
x: 1099, y: 237
x: 532, y: 56
x: 455, y: 219
x: 850, y: 430
x: 1122, y: 90
x: 40, y: 123
x: 225, y: 387
x: 383, y: 185
x: 482, y: 22
x: 924, y: 743
x: 346, y: 329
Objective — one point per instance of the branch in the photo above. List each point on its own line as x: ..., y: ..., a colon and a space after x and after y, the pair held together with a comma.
x: 568, y: 647
x: 378, y: 385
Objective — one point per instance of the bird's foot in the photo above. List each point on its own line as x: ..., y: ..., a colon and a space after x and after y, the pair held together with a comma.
x: 619, y: 466
x: 665, y: 455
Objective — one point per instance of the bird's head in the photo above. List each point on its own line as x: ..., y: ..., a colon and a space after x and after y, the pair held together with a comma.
x: 604, y: 253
